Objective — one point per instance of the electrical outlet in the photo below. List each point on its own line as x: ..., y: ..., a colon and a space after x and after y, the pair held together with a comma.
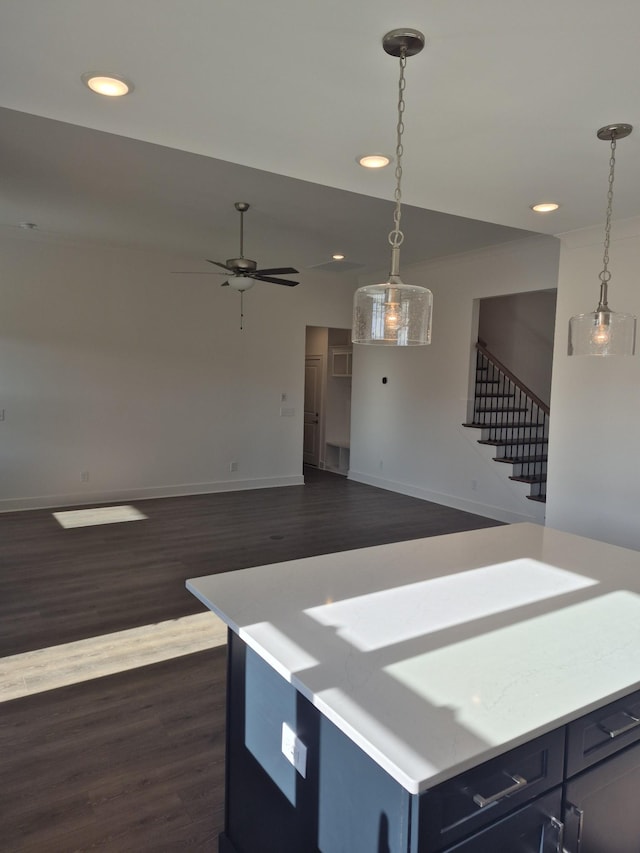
x: 1, y: 414
x: 474, y: 485
x: 381, y: 463
x: 233, y: 466
x: 84, y: 476
x: 294, y: 750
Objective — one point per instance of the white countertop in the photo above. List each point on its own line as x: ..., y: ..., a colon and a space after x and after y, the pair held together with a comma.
x: 436, y: 654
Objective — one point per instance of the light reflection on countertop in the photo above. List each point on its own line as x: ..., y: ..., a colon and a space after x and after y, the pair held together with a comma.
x: 394, y: 615
x: 534, y: 665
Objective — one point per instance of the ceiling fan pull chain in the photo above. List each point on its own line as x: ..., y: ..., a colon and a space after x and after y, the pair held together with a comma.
x: 241, y: 310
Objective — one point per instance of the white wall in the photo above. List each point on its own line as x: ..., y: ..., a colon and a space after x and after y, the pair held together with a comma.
x: 109, y: 364
x: 407, y: 435
x: 594, y: 461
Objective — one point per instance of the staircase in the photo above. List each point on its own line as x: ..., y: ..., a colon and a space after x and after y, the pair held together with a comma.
x: 513, y: 420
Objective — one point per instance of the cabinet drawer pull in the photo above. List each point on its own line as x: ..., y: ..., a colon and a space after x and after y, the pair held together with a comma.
x: 519, y: 782
x: 557, y: 827
x: 615, y: 726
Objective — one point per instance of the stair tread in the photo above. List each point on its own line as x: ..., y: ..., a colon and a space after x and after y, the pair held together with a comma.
x: 505, y: 411
x: 515, y: 425
x: 535, y: 478
x: 501, y: 442
x: 540, y: 498
x: 520, y: 460
x: 495, y: 395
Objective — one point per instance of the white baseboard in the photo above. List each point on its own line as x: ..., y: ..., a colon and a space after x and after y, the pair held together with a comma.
x: 497, y: 513
x: 145, y: 493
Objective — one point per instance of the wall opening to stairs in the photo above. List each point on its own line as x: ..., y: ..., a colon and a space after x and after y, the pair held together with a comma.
x: 511, y: 384
x: 518, y: 329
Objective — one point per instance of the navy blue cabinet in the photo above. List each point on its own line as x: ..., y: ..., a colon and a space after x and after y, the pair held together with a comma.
x: 344, y: 801
x: 602, y: 806
x: 537, y: 798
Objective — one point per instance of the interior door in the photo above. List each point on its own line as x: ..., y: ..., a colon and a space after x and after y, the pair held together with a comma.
x: 313, y: 369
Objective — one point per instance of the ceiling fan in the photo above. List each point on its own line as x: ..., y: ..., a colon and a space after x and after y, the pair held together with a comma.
x: 244, y: 272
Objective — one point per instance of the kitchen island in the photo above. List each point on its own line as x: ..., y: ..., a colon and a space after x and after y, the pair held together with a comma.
x: 417, y: 696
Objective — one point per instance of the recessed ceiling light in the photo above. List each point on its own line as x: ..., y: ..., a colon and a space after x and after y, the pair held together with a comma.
x: 107, y: 84
x: 545, y: 207
x: 374, y: 161
x: 338, y: 257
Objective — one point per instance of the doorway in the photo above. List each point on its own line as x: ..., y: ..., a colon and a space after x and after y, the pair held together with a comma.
x: 327, y: 398
x: 518, y: 329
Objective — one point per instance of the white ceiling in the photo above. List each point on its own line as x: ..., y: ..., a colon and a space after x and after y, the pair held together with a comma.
x: 271, y: 102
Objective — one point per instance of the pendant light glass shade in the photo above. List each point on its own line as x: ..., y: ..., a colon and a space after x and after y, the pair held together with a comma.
x: 392, y: 314
x: 602, y: 333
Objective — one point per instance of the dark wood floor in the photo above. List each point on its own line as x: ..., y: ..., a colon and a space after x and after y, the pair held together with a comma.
x: 134, y: 761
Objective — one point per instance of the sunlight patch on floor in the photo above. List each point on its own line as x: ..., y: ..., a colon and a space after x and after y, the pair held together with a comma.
x: 97, y: 515
x: 95, y: 657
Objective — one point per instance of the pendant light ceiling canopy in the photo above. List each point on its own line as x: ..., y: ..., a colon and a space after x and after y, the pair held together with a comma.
x: 605, y: 332
x: 394, y: 313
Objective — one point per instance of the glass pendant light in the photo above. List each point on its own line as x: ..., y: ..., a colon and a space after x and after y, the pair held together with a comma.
x: 605, y: 332
x: 394, y: 313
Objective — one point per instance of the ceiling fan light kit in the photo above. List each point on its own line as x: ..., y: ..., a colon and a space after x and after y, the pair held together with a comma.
x: 394, y: 313
x: 605, y: 332
x: 241, y: 283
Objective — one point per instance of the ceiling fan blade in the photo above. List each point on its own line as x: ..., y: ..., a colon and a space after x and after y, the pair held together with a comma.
x: 275, y: 280
x: 218, y: 264
x: 277, y: 271
x: 225, y: 284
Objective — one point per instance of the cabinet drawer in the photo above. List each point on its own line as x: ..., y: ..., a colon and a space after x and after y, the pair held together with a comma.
x: 535, y: 828
x: 603, y: 732
x: 462, y: 806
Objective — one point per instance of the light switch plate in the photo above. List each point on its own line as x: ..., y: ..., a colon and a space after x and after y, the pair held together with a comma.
x: 294, y: 750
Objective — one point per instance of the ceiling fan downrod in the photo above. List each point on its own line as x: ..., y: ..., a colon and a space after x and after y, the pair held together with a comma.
x: 241, y: 207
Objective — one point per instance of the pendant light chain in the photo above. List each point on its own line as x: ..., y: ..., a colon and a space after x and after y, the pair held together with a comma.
x: 605, y: 275
x: 396, y: 236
